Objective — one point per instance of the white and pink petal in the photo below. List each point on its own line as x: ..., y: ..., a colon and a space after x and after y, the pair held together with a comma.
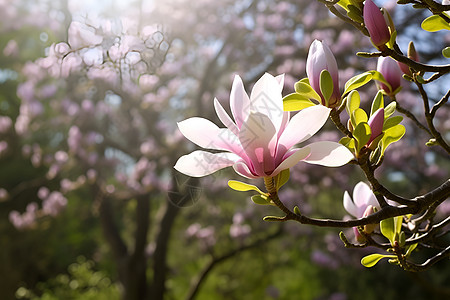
x: 330, y: 154
x: 201, y: 163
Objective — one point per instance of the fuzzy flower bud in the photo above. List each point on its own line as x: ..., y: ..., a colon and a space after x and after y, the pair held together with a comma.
x: 321, y: 58
x: 412, y: 54
x: 375, y: 24
x: 392, y: 73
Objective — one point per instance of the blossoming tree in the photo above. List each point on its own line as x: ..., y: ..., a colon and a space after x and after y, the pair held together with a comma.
x: 98, y: 117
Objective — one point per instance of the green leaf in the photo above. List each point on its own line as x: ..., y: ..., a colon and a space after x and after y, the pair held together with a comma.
x: 304, y: 89
x: 295, y: 101
x: 357, y: 81
x: 297, y: 210
x: 390, y: 109
x: 243, y: 187
x: 353, y: 102
x: 446, y: 52
x: 349, y: 143
x: 358, y: 116
x: 387, y: 229
x: 344, y: 3
x: 281, y: 178
x: 391, y: 122
x: 273, y: 218
x: 378, y: 102
x: 398, y: 224
x: 379, y: 77
x: 362, y: 135
x: 410, y: 249
x: 392, y: 135
x: 372, y: 259
x: 435, y: 23
x: 391, y: 41
x: 261, y: 200
x: 326, y: 85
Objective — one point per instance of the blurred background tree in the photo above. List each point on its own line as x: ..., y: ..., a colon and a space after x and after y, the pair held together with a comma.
x: 90, y: 97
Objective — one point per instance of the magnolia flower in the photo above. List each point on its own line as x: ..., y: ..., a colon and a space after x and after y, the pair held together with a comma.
x: 259, y: 141
x: 362, y: 205
x: 392, y: 73
x: 375, y: 24
x: 321, y: 58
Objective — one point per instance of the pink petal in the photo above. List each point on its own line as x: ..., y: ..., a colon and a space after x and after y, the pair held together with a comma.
x: 304, y: 125
x: 330, y: 154
x: 295, y: 155
x: 376, y: 122
x: 349, y: 205
x: 363, y: 196
x: 258, y: 138
x: 266, y: 99
x: 239, y: 101
x: 207, y: 135
x: 224, y: 117
x: 242, y: 169
x: 202, y: 163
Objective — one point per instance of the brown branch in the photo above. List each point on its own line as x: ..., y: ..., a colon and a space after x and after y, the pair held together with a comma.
x: 195, y: 287
x: 412, y: 117
x: 429, y: 118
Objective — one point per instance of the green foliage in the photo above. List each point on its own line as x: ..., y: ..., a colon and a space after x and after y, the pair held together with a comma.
x: 446, y: 52
x: 372, y: 259
x: 281, y: 178
x: 326, y: 85
x: 243, y: 187
x: 362, y: 135
x: 295, y: 101
x: 435, y: 23
x: 303, y: 88
x: 357, y: 81
x: 82, y: 282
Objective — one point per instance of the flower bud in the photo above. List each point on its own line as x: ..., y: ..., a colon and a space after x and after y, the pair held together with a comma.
x: 392, y: 73
x: 375, y: 24
x: 376, y: 124
x: 321, y: 58
x: 412, y: 54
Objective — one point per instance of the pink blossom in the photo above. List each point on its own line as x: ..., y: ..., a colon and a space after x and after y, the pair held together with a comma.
x: 375, y: 24
x: 361, y: 206
x: 391, y: 72
x: 362, y: 197
x: 321, y: 58
x: 258, y: 143
x: 376, y: 124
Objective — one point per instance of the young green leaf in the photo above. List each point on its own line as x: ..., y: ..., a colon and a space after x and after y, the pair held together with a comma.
x: 391, y: 122
x: 305, y: 90
x: 357, y: 81
x: 353, y: 102
x: 435, y: 23
x: 358, y: 116
x: 295, y: 101
x: 372, y: 259
x: 362, y: 135
x: 392, y: 135
x: 379, y: 77
x: 390, y: 109
x: 326, y: 85
x: 281, y: 178
x: 446, y: 52
x: 378, y: 102
x: 387, y: 229
x: 261, y: 200
x: 243, y: 187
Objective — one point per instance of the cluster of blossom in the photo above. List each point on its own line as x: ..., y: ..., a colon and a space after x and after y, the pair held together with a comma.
x: 206, y: 235
x: 52, y: 204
